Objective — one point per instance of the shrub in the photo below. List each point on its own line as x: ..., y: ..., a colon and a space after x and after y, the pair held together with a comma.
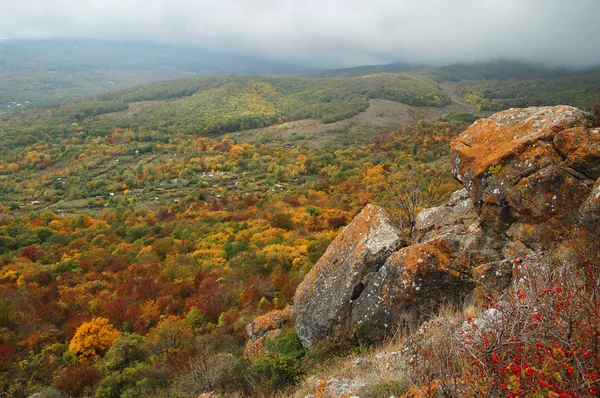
x: 137, y: 380
x: 280, y: 363
x: 541, y: 339
x: 51, y: 392
x: 65, y: 266
x: 125, y: 351
x: 234, y: 248
x: 283, y: 221
x: 127, y: 371
x: 205, y: 374
x: 385, y: 388
x: 171, y: 337
x: 78, y: 380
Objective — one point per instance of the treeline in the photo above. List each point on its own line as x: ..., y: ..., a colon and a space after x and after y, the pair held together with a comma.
x: 575, y: 90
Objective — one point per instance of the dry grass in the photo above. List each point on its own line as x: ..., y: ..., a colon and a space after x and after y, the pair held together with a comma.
x: 376, y: 367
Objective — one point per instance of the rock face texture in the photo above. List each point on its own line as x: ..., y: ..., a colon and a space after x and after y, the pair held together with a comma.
x: 530, y: 176
x: 323, y: 301
x: 528, y: 165
x: 437, y: 269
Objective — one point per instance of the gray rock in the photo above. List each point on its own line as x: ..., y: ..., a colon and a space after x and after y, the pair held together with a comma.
x: 323, y: 301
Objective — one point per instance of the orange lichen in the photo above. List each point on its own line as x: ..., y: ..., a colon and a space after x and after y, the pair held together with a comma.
x: 269, y: 321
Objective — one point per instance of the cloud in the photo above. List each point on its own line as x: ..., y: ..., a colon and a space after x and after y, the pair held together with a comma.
x: 330, y: 32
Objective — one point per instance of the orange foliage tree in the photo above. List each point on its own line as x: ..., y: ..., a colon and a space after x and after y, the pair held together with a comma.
x: 93, y: 339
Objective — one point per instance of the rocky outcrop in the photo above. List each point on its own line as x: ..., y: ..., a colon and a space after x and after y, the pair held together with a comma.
x: 589, y: 213
x: 437, y: 269
x: 531, y: 176
x: 407, y: 284
x: 415, y: 280
x: 528, y: 166
x: 266, y: 327
x: 324, y: 300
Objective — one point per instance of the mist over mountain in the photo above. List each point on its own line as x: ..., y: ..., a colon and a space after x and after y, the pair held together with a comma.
x: 331, y: 34
x: 55, y: 70
x: 77, y: 54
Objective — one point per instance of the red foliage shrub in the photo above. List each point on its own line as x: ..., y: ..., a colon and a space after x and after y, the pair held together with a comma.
x: 78, y: 380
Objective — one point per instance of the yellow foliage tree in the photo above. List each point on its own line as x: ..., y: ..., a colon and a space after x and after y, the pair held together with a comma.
x: 172, y: 335
x: 93, y: 339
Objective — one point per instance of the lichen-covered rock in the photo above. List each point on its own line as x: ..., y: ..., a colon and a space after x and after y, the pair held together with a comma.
x: 270, y: 321
x: 266, y: 327
x: 580, y: 147
x: 254, y: 347
x: 493, y: 278
x: 525, y: 164
x: 323, y: 301
x: 553, y: 192
x: 414, y: 282
x: 457, y: 212
x: 458, y: 223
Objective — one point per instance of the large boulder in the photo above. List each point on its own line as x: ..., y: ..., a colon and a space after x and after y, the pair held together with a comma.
x: 372, y: 298
x: 443, y: 266
x: 323, y: 301
x: 528, y: 165
x: 459, y: 224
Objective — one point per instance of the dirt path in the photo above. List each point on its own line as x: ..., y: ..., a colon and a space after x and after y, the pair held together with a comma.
x: 458, y: 102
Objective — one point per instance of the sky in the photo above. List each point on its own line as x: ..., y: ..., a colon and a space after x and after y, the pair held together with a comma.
x: 332, y: 33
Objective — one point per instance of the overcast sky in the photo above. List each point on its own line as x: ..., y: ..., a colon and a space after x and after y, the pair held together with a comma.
x: 330, y: 32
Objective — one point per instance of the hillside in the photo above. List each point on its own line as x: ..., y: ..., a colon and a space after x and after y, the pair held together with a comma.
x: 496, y: 294
x: 396, y: 67
x: 45, y: 73
x: 577, y: 90
x: 216, y: 105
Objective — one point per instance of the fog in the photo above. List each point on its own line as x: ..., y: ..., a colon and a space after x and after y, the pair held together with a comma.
x: 330, y: 33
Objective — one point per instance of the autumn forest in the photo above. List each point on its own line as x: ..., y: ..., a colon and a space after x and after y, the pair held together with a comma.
x: 142, y: 229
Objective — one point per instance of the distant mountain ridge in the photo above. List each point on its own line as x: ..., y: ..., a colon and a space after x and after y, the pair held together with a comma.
x: 138, y: 55
x: 499, y: 69
x: 52, y: 72
x: 395, y: 67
